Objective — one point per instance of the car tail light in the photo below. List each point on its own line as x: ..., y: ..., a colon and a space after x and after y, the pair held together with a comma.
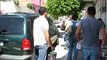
x: 26, y: 44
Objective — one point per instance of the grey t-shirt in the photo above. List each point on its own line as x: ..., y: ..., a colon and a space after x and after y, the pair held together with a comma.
x: 90, y: 32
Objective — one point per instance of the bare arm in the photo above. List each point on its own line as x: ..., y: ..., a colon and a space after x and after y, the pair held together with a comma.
x: 68, y: 26
x: 104, y: 34
x: 78, y: 33
x: 48, y: 39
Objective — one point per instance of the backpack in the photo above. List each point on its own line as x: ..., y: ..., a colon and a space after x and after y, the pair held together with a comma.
x: 73, y: 29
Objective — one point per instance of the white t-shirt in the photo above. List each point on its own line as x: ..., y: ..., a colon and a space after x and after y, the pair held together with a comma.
x: 40, y: 25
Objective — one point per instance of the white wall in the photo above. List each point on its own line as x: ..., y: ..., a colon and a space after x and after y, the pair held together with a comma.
x: 7, y: 6
x: 97, y: 6
x: 103, y: 14
x: 99, y: 13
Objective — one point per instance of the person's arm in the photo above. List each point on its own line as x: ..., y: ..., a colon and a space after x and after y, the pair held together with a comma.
x: 46, y: 33
x: 104, y: 34
x: 68, y: 26
x: 48, y: 39
x: 68, y: 29
x: 78, y: 33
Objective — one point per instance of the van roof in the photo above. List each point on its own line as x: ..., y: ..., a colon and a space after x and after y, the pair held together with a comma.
x: 24, y: 15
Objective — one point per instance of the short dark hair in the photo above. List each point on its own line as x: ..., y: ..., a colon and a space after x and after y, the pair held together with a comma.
x: 100, y: 19
x: 91, y: 10
x: 74, y: 16
x: 42, y: 10
x: 102, y: 22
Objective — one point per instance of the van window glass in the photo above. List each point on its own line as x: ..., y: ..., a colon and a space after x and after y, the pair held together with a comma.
x: 12, y: 25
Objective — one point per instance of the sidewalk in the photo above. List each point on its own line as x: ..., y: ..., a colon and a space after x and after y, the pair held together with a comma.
x: 61, y: 52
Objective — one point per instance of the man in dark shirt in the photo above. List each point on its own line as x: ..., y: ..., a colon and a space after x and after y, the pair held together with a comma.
x: 90, y: 28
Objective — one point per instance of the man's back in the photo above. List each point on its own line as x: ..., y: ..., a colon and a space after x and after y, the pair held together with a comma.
x: 90, y: 28
x: 40, y: 24
x: 90, y: 32
x: 73, y: 27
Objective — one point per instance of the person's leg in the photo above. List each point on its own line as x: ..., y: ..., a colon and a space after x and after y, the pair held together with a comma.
x: 66, y: 42
x: 94, y: 54
x: 69, y: 56
x: 75, y: 54
x: 100, y: 50
x: 86, y: 53
x: 42, y: 52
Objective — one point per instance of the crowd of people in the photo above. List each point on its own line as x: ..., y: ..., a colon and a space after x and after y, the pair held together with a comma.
x: 87, y: 30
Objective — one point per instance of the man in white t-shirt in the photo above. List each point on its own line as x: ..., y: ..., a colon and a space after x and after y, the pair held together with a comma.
x: 41, y: 34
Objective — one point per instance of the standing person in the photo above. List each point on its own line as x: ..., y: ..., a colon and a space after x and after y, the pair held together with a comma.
x: 65, y: 36
x: 100, y: 41
x: 90, y: 28
x: 41, y: 34
x: 72, y: 38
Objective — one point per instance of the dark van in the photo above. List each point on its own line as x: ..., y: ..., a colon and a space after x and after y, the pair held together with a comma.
x: 16, y: 40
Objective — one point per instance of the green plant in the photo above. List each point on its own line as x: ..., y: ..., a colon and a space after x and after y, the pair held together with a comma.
x: 16, y: 2
x: 64, y: 7
x: 30, y: 6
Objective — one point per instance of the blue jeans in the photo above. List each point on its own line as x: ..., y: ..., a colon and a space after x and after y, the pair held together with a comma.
x: 42, y: 53
x: 72, y: 48
x: 90, y: 54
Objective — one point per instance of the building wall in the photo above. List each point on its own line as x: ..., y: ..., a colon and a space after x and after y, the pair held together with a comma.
x: 7, y: 7
x: 98, y: 5
x: 38, y: 3
x: 101, y: 9
x: 23, y: 6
